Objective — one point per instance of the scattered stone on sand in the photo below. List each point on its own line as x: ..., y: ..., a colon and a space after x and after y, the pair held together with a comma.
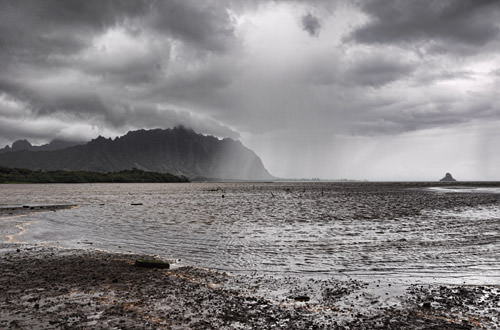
x: 51, y: 288
x: 301, y: 298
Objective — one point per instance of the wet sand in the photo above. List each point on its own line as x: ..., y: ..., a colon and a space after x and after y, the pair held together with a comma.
x: 52, y: 288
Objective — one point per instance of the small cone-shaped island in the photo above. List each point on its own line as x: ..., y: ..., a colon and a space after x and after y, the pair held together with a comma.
x: 448, y: 178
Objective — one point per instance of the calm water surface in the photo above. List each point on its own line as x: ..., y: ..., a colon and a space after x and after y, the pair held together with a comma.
x: 353, y: 229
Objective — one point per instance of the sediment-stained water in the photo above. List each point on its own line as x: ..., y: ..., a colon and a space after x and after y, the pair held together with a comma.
x: 422, y: 230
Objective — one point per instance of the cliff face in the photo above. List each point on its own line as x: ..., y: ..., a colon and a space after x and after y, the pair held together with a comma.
x: 178, y: 151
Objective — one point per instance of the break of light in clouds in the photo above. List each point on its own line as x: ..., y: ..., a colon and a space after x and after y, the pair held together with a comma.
x: 375, y: 89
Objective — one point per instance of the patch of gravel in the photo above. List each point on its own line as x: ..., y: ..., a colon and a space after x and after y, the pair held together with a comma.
x: 50, y: 288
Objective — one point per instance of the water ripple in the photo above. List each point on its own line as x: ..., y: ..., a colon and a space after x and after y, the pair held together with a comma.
x: 288, y: 228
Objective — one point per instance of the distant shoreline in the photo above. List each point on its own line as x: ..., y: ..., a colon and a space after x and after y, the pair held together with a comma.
x: 18, y: 175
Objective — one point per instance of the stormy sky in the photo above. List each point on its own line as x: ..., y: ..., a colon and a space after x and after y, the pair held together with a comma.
x: 363, y: 89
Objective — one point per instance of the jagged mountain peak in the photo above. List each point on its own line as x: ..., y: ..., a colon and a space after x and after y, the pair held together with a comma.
x: 25, y: 145
x: 179, y: 151
x: 20, y: 145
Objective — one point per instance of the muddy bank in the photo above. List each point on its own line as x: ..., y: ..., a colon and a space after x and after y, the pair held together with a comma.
x: 50, y: 288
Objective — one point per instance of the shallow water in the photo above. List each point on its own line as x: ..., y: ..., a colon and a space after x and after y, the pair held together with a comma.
x: 335, y: 229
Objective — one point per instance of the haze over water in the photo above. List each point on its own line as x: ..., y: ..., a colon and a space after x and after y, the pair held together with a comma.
x: 320, y: 229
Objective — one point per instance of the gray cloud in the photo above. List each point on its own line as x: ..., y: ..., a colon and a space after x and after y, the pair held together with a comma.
x: 31, y: 30
x: 469, y: 23
x: 92, y: 59
x: 377, y: 71
x: 360, y: 69
x: 437, y: 74
x: 203, y: 23
x: 311, y: 24
x: 77, y: 69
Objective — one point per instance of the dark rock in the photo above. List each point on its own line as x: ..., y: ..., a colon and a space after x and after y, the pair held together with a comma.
x: 152, y: 263
x: 301, y: 298
x: 448, y: 178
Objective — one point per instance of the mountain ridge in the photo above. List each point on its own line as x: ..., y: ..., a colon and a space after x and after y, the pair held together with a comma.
x: 179, y: 151
x: 25, y: 145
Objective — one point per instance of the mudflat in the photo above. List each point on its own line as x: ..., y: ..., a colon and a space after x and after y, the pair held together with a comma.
x: 53, y: 288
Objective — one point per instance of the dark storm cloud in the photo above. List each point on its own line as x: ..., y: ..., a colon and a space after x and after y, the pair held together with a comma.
x: 154, y: 117
x: 470, y: 23
x: 46, y: 101
x: 311, y: 24
x: 364, y: 69
x: 378, y: 71
x: 291, y: 73
x: 203, y: 23
x: 396, y: 115
x: 93, y: 59
x: 30, y: 30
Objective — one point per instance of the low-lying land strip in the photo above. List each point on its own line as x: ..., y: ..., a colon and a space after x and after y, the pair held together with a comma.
x: 18, y: 175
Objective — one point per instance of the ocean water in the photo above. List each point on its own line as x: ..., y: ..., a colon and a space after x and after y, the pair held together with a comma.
x: 414, y: 230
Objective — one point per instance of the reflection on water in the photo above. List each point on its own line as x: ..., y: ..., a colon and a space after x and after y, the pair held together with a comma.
x: 323, y: 228
x: 466, y: 189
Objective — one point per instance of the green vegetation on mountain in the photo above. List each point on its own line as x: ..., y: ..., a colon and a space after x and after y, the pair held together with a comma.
x: 179, y: 151
x: 18, y: 175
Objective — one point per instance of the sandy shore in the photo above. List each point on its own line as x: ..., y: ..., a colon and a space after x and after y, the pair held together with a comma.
x: 51, y: 288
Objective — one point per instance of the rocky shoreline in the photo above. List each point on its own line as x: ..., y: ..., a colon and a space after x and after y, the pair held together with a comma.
x: 52, y: 288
